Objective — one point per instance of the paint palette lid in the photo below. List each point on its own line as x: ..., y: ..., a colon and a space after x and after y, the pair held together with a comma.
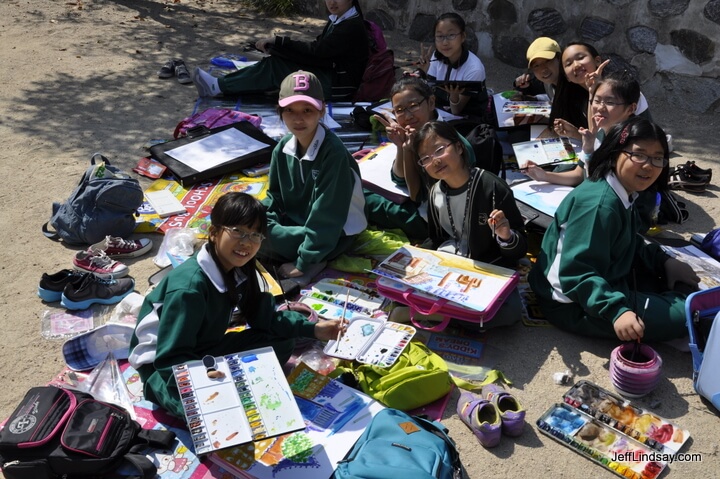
x: 372, y: 341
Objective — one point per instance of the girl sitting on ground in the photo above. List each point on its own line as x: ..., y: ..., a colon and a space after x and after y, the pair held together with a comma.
x: 187, y: 315
x: 594, y: 271
x: 471, y: 212
x: 452, y: 61
x: 543, y: 57
x: 315, y: 203
x: 337, y: 57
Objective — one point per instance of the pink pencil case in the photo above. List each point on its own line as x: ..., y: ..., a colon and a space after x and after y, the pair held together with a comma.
x: 427, y: 304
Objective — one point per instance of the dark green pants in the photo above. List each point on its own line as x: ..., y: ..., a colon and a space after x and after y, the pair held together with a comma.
x: 386, y: 214
x: 267, y: 75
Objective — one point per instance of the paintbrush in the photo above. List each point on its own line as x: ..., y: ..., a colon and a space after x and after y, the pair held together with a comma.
x: 342, y: 321
x: 636, y: 346
x: 287, y: 304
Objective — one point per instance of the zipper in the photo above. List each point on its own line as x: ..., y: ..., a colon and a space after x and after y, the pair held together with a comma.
x: 105, y: 433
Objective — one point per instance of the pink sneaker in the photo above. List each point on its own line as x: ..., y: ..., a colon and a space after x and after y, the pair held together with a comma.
x: 117, y: 247
x: 100, y: 264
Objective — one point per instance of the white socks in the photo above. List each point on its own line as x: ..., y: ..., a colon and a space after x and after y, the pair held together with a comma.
x: 206, y: 84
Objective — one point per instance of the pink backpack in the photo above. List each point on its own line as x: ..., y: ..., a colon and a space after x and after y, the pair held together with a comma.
x: 213, y: 118
x: 375, y: 37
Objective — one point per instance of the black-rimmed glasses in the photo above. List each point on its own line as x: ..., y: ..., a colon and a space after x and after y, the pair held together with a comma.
x: 642, y: 158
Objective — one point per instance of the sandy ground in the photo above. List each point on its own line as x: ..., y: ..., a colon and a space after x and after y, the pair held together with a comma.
x: 80, y: 77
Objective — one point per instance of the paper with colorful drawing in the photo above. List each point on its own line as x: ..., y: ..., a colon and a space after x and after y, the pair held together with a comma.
x: 473, y: 284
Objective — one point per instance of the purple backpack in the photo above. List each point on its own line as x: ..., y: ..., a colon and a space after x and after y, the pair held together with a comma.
x: 711, y: 244
x: 213, y: 118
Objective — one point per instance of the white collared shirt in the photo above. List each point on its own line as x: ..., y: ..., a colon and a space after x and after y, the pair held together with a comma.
x: 335, y: 20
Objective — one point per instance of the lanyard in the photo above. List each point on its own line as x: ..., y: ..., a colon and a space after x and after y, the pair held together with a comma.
x: 459, y: 237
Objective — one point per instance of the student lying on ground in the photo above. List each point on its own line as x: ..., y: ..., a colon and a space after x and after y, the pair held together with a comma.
x: 187, y: 315
x: 594, y: 271
x: 337, y: 57
x: 315, y: 202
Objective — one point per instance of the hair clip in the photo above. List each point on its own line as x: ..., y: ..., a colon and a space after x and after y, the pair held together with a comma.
x: 624, y: 135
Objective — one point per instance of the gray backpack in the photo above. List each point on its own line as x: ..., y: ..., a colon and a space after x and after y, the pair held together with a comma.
x: 104, y: 203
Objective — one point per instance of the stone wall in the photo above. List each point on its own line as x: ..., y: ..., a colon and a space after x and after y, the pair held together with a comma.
x: 669, y: 44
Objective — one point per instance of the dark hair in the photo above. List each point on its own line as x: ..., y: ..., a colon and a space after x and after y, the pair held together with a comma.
x: 419, y: 85
x: 240, y: 209
x: 622, y: 84
x: 619, y: 138
x: 571, y: 100
x: 356, y: 4
x: 443, y: 130
x: 453, y: 18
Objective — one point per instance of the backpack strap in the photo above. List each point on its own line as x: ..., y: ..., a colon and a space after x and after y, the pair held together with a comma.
x: 441, y: 431
x: 159, y: 439
x: 100, y: 157
x: 145, y: 466
x: 50, y: 234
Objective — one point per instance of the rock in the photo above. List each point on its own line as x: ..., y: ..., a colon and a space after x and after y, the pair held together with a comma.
x: 667, y: 8
x: 382, y: 19
x: 502, y: 13
x: 511, y: 50
x: 464, y: 5
x: 397, y: 5
x: 697, y: 94
x: 595, y: 28
x: 712, y: 11
x: 546, y: 22
x: 670, y: 59
x: 422, y: 28
x: 695, y: 46
x: 642, y: 38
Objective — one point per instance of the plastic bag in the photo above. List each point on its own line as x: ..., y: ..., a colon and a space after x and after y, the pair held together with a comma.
x: 64, y: 324
x: 126, y: 311
x: 177, y: 246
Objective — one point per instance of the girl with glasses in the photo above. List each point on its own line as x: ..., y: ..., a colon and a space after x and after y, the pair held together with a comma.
x: 452, y: 61
x: 594, y: 271
x: 187, y: 315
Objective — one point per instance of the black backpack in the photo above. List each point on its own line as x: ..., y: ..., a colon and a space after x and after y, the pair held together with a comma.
x: 104, y: 203
x: 487, y: 148
x: 59, y: 433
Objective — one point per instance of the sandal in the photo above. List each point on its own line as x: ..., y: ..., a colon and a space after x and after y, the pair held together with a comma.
x: 167, y: 70
x: 680, y: 179
x: 481, y: 416
x: 181, y: 72
x: 697, y: 173
x: 512, y: 414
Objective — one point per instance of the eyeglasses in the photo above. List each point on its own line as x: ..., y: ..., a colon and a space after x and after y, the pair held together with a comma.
x: 238, y: 235
x: 411, y: 108
x: 448, y: 38
x: 607, y: 103
x: 426, y: 160
x: 642, y: 158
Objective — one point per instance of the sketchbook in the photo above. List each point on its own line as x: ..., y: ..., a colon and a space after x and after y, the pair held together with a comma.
x: 236, y: 399
x: 335, y: 416
x: 544, y: 151
x: 375, y: 171
x: 473, y: 284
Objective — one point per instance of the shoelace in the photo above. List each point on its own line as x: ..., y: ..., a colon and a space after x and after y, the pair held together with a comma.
x: 100, y: 259
x: 120, y: 243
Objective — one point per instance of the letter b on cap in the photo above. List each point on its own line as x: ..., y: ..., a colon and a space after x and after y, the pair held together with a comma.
x: 301, y: 82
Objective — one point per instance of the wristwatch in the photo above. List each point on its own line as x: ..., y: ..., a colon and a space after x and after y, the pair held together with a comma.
x: 505, y: 244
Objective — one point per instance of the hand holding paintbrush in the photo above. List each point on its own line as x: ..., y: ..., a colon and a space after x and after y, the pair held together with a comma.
x: 341, y: 328
x: 641, y: 322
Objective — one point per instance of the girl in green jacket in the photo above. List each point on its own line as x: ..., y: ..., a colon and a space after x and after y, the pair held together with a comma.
x: 594, y: 271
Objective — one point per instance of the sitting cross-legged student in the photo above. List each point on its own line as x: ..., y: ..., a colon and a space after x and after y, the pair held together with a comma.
x: 337, y: 57
x: 594, y: 270
x: 315, y: 202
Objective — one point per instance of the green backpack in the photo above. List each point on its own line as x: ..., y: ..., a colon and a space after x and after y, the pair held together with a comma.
x: 418, y: 377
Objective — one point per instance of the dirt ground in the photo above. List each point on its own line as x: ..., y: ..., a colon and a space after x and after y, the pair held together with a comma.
x: 79, y: 76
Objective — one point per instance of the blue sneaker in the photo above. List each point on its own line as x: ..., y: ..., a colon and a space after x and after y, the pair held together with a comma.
x: 82, y: 292
x: 51, y: 286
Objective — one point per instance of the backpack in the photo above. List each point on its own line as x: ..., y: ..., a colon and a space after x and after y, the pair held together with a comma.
x: 57, y: 432
x: 702, y: 314
x: 711, y: 244
x: 418, y: 377
x: 379, y: 75
x: 104, y: 203
x: 487, y: 148
x: 212, y: 118
x: 396, y: 445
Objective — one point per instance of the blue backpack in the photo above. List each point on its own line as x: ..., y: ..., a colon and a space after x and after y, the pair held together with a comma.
x: 104, y: 203
x: 396, y: 445
x: 711, y: 244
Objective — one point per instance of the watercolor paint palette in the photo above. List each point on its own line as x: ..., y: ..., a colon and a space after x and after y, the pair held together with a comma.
x: 327, y: 298
x: 246, y: 398
x: 607, y: 429
x: 371, y: 341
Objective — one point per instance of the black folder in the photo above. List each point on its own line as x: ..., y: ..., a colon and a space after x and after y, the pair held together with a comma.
x: 188, y: 176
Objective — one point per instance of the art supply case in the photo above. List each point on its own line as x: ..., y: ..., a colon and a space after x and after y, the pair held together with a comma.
x: 702, y: 310
x: 372, y: 341
x: 188, y: 176
x: 427, y: 304
x: 327, y: 298
x: 630, y: 441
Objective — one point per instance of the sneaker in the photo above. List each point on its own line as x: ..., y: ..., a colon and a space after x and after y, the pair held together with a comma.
x: 481, y: 416
x: 52, y: 285
x: 117, y: 247
x: 512, y: 414
x: 84, y: 291
x: 305, y: 279
x: 168, y: 69
x: 100, y: 264
x: 181, y: 72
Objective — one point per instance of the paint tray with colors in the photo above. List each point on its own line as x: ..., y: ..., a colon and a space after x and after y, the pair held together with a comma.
x: 328, y: 296
x: 371, y: 341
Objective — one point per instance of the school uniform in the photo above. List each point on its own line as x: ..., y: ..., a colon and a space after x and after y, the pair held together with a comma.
x: 186, y: 317
x: 315, y: 204
x: 470, y: 207
x: 583, y: 278
x: 468, y: 68
x: 337, y: 57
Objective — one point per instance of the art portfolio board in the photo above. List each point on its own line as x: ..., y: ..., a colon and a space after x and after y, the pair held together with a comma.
x: 545, y: 151
x: 250, y: 399
x: 335, y: 416
x: 630, y: 441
